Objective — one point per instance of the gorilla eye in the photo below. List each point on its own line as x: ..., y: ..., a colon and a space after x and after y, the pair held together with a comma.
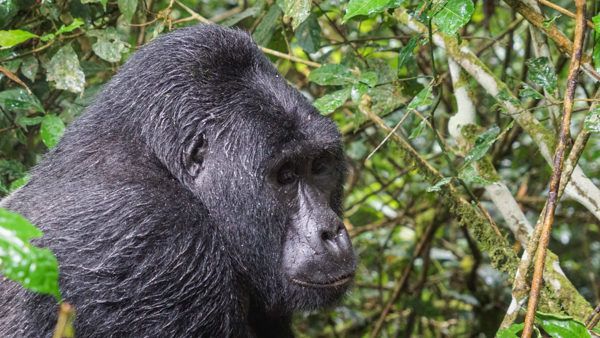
x: 287, y: 175
x: 319, y: 165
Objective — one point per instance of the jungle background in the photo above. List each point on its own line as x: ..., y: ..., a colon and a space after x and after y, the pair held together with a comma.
x: 450, y: 112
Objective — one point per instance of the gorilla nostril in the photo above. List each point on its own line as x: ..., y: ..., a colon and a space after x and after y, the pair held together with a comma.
x: 328, y: 235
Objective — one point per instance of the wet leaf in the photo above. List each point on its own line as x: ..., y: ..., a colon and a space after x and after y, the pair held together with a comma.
x: 561, y: 326
x: 528, y: 92
x: 541, y: 72
x: 424, y: 98
x: 297, y: 11
x: 369, y: 78
x: 29, y: 67
x: 51, y: 130
x: 108, y: 45
x: 406, y: 53
x: 267, y: 27
x: 331, y: 75
x: 18, y: 99
x: 65, y: 71
x: 308, y: 34
x: 592, y: 120
x: 483, y: 143
x: 34, y: 268
x: 368, y: 7
x: 330, y: 102
x: 453, y: 15
x: 127, y: 8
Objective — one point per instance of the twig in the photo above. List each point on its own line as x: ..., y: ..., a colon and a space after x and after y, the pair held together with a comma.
x: 558, y: 162
x: 65, y: 317
x: 289, y: 57
x: 564, y: 11
x: 15, y: 78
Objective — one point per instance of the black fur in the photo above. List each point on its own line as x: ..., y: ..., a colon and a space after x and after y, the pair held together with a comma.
x: 159, y: 203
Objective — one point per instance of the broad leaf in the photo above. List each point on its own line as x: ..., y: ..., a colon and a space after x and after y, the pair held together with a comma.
x: 541, y: 72
x: 18, y: 99
x: 267, y: 27
x: 34, y: 268
x: 424, y: 98
x: 127, y: 8
x: 592, y: 120
x: 528, y: 92
x: 406, y: 52
x: 483, y: 143
x: 308, y: 34
x: 368, y: 7
x: 108, y: 46
x: 511, y: 331
x: 561, y: 326
x: 65, y: 71
x: 331, y: 75
x: 29, y: 67
x: 330, y: 102
x: 297, y: 11
x: 51, y: 130
x: 14, y: 37
x: 453, y: 15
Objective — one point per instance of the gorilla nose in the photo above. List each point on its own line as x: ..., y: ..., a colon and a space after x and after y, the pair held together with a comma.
x: 335, y: 240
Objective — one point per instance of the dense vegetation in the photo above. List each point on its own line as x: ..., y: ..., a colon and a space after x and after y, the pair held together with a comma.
x: 451, y: 112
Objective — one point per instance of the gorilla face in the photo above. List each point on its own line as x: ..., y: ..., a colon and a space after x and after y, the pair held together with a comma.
x: 271, y: 178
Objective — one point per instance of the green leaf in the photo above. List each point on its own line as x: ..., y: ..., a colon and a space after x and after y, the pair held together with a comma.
x: 63, y: 29
x: 65, y: 71
x: 308, y: 34
x: 14, y: 37
x: 541, y: 72
x: 424, y: 98
x: 28, y: 121
x: 561, y: 326
x: 369, y: 78
x: 29, y: 67
x: 511, y: 331
x: 592, y: 120
x: 297, y: 10
x: 528, y: 92
x: 416, y: 132
x: 127, y: 8
x: 438, y: 186
x: 331, y: 75
x: 596, y: 22
x: 267, y: 27
x: 470, y: 175
x: 108, y: 45
x: 453, y: 16
x: 34, y: 268
x: 16, y: 184
x: 483, y: 143
x: 406, y: 52
x: 51, y: 130
x: 8, y: 9
x: 18, y: 99
x: 330, y: 102
x: 368, y: 7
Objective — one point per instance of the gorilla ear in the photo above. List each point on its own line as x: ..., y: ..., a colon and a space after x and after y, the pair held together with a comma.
x: 193, y: 158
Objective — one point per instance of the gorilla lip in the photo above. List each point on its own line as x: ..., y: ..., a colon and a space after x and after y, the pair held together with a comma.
x: 343, y: 280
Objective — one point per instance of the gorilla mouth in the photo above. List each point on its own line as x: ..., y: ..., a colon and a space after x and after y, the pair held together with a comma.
x: 339, y: 281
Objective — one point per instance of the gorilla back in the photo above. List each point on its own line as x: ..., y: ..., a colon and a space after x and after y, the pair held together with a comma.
x: 199, y: 195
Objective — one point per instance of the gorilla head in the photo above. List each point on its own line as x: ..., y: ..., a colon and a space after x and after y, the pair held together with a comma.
x: 199, y: 195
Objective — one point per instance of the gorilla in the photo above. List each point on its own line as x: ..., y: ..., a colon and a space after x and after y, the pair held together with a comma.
x: 199, y: 195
